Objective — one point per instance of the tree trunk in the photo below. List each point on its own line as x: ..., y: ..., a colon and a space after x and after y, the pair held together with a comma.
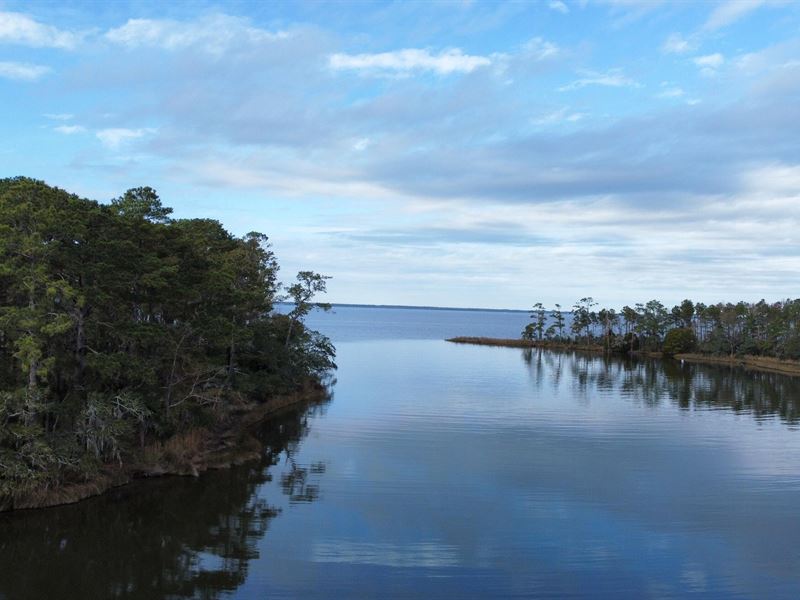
x: 231, y: 363
x: 289, y: 333
x: 80, y: 345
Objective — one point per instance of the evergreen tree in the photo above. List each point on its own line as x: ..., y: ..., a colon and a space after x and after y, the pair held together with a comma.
x: 119, y: 325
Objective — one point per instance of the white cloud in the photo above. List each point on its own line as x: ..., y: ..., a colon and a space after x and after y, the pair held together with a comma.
x: 777, y: 179
x: 731, y: 11
x: 22, y: 71
x: 676, y: 44
x: 628, y: 11
x: 776, y: 58
x: 559, y: 6
x: 712, y: 61
x: 709, y: 63
x: 540, y: 49
x: 114, y: 138
x: 535, y: 50
x: 58, y: 116
x: 69, y: 129
x: 671, y: 92
x: 410, y: 59
x: 611, y: 78
x: 559, y: 116
x: 361, y: 144
x: 213, y: 34
x: 227, y: 172
x: 18, y: 28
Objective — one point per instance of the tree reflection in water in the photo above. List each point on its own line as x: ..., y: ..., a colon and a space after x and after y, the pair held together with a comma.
x: 652, y: 382
x: 172, y: 537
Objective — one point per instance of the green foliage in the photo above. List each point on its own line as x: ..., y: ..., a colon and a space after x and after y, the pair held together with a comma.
x: 141, y: 203
x: 652, y: 321
x: 761, y: 328
x: 558, y: 321
x: 529, y: 333
x: 679, y: 340
x: 540, y: 318
x: 119, y: 324
x: 583, y: 317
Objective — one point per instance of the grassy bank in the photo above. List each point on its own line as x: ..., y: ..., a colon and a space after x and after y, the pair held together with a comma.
x: 758, y: 363
x: 187, y: 454
x: 520, y: 343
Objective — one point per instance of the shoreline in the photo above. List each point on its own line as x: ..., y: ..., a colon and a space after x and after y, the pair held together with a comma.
x: 754, y: 363
x: 187, y: 454
x: 520, y: 343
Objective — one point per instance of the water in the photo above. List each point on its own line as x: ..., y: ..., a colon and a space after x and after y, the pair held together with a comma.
x: 358, y: 323
x: 441, y: 470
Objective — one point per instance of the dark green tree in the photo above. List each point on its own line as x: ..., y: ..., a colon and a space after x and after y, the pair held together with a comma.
x: 120, y: 325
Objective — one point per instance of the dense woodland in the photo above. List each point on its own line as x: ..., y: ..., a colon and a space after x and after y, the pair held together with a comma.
x: 759, y: 329
x: 121, y: 327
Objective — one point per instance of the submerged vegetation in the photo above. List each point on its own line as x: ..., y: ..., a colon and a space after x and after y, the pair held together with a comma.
x: 762, y: 329
x: 122, y: 329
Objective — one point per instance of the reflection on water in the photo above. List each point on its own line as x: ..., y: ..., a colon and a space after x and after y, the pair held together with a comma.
x: 425, y: 554
x: 171, y: 537
x: 454, y: 471
x: 688, y: 385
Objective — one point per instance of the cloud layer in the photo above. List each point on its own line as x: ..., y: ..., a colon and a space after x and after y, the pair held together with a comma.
x: 18, y: 28
x: 411, y: 59
x: 466, y: 162
x: 22, y: 71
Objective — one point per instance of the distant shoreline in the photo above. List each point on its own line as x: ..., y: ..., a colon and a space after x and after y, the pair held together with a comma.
x: 755, y: 363
x: 406, y: 307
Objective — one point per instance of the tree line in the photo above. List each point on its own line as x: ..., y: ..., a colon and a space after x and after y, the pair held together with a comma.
x: 120, y: 326
x: 745, y: 328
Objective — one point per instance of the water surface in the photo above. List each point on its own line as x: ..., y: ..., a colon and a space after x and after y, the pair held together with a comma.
x: 441, y: 470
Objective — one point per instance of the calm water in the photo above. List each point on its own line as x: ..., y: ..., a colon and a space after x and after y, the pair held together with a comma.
x: 439, y: 470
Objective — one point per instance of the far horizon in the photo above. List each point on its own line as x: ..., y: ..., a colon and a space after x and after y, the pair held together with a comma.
x: 564, y: 307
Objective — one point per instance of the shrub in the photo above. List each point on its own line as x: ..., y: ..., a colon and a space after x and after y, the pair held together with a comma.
x: 679, y: 340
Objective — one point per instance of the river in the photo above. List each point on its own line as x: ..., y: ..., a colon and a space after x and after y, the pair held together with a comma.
x: 443, y: 470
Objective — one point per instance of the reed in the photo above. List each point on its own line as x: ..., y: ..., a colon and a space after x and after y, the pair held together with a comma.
x: 521, y: 343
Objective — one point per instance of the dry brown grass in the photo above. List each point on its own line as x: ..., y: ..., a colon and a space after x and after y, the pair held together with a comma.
x: 758, y: 363
x: 180, y: 454
x: 486, y: 341
x: 520, y: 343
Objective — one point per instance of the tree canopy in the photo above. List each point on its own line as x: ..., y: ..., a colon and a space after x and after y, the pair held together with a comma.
x: 121, y: 325
x: 742, y: 328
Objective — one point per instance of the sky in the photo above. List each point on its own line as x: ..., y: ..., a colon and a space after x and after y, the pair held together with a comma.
x: 467, y: 154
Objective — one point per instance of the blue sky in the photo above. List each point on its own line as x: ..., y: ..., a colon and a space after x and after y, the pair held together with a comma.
x: 452, y: 153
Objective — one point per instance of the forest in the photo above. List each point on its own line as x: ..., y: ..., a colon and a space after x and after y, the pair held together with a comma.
x: 723, y: 329
x: 122, y: 328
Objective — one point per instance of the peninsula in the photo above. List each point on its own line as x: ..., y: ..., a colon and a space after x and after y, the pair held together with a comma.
x: 135, y: 344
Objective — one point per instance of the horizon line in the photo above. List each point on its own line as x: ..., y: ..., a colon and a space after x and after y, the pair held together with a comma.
x: 420, y: 307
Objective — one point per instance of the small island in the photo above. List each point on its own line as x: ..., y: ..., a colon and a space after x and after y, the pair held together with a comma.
x: 133, y: 344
